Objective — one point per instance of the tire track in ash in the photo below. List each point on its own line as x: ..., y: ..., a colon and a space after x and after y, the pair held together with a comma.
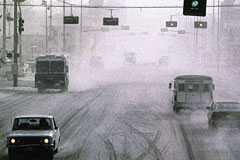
x: 191, y: 155
x: 75, y: 144
x: 130, y: 136
x: 73, y: 115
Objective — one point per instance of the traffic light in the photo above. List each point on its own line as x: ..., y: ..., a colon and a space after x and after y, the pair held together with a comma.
x: 20, y: 25
x: 199, y: 24
x: 171, y: 24
x: 194, y: 7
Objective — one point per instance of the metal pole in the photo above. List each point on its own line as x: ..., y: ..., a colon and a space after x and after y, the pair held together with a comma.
x: 64, y: 40
x: 50, y: 28
x: 20, y: 37
x: 218, y: 50
x: 15, y: 42
x: 4, y: 29
x: 46, y: 29
x: 81, y: 26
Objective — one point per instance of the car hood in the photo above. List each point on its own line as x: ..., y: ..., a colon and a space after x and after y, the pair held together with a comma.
x: 31, y: 133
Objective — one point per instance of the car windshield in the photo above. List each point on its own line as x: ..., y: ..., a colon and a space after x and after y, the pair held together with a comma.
x: 32, y: 124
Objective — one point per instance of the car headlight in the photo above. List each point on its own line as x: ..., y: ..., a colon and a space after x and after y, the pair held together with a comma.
x: 46, y: 140
x: 13, y: 141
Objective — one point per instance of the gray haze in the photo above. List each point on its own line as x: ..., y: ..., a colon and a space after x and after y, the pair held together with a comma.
x: 122, y: 110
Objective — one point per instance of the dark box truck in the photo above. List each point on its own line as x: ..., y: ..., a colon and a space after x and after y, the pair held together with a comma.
x: 51, y: 73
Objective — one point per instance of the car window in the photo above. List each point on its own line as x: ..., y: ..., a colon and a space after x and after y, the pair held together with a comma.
x: 228, y: 106
x: 32, y: 124
x: 181, y: 87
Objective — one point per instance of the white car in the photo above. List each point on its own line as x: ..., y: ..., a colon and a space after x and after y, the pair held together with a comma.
x: 224, y: 114
x: 33, y: 133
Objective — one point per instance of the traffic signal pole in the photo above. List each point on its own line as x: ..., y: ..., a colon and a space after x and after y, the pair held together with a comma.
x: 4, y: 30
x: 15, y: 43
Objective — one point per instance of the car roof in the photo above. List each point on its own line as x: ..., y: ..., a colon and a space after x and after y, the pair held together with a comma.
x: 192, y: 77
x: 34, y: 116
x: 226, y: 107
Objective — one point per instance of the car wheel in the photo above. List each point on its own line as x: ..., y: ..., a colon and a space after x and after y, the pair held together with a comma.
x: 56, y: 150
x: 211, y: 126
x: 11, y: 154
x: 50, y: 154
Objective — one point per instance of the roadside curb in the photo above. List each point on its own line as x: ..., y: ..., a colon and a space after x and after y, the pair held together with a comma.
x: 7, y: 88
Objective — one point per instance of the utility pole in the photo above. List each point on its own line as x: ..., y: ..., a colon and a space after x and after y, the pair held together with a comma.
x: 15, y: 45
x: 218, y: 50
x: 46, y: 29
x: 4, y: 30
x: 81, y: 26
x: 50, y: 28
x: 64, y: 39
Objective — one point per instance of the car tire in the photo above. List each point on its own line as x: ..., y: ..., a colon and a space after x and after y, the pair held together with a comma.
x: 56, y: 150
x: 211, y: 126
x: 50, y: 155
x: 11, y: 154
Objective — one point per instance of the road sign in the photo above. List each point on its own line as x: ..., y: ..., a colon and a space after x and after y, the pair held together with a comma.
x: 171, y: 24
x: 110, y: 21
x: 70, y: 20
x: 198, y: 24
x: 194, y: 7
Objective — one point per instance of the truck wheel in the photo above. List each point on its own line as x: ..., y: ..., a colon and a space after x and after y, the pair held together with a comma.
x: 176, y: 109
x: 40, y: 90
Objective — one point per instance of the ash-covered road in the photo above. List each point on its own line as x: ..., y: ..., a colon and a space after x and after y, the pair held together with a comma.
x: 120, y: 121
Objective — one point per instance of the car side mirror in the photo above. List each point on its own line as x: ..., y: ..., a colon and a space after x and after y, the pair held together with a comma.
x: 213, y: 86
x: 56, y: 128
x: 208, y: 108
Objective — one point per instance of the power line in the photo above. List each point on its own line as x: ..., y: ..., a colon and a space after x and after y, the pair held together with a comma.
x: 122, y: 7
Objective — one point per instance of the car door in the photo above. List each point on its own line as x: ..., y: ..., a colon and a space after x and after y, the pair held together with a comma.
x: 56, y: 133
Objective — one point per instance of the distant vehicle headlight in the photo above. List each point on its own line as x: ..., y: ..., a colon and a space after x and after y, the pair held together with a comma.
x: 46, y: 140
x: 13, y: 140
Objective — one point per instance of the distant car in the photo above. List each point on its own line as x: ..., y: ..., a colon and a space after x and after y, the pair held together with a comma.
x: 224, y: 115
x: 33, y: 133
